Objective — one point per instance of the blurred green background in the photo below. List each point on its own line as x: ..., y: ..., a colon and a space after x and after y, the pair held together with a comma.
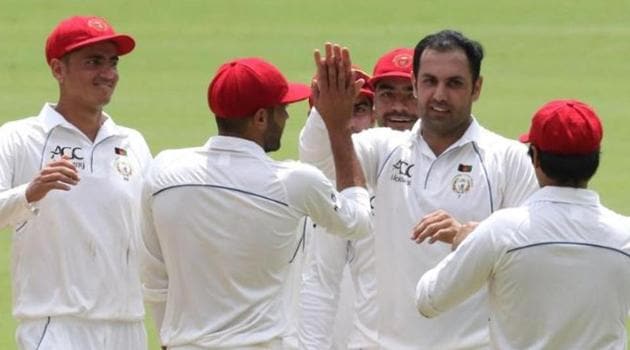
x: 535, y: 51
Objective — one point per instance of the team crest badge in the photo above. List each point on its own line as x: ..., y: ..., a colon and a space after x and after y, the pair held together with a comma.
x: 97, y: 24
x: 123, y: 167
x: 403, y: 60
x: 461, y: 184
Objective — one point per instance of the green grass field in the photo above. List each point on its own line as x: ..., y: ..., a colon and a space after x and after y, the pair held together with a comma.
x: 535, y: 51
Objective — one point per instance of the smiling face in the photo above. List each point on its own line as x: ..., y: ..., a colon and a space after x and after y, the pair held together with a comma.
x: 88, y: 76
x: 394, y: 103
x: 445, y: 91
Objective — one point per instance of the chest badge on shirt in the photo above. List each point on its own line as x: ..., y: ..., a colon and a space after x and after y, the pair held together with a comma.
x: 461, y: 184
x: 122, y: 164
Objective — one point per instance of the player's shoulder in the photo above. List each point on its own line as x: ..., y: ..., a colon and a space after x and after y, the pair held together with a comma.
x: 130, y: 133
x: 492, y: 142
x: 298, y: 171
x: 18, y: 126
x: 176, y: 156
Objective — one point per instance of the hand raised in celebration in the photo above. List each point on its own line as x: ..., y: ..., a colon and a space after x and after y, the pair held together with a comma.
x: 334, y: 87
x: 57, y: 175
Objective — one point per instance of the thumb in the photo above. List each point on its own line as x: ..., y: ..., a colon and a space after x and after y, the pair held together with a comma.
x: 358, y: 84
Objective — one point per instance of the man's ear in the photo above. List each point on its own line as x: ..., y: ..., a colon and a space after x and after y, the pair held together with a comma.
x: 477, y: 88
x: 57, y: 68
x: 535, y: 157
x: 259, y: 121
x: 413, y: 86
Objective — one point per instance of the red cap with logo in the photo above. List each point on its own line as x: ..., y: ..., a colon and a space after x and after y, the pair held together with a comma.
x: 243, y: 86
x: 395, y: 63
x: 76, y: 32
x: 565, y: 127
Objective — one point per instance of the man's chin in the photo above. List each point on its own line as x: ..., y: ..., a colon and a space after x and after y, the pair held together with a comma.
x: 400, y: 125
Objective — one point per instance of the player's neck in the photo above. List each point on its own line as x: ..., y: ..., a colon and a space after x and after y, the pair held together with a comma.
x: 87, y: 119
x: 439, y: 141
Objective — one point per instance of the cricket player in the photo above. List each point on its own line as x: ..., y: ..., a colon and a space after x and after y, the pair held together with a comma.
x: 334, y: 313
x: 222, y: 217
x: 558, y: 267
x: 70, y: 186
x: 446, y: 171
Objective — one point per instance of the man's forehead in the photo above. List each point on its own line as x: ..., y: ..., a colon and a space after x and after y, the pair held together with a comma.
x: 394, y: 83
x: 452, y: 59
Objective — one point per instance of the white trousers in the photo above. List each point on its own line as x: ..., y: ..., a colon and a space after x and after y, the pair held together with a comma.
x: 71, y: 333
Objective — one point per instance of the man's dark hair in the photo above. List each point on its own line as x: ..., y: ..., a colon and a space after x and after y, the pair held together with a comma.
x: 447, y: 40
x: 231, y: 126
x: 568, y: 170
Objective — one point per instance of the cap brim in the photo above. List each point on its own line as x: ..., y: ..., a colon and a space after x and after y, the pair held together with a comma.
x: 524, y: 138
x: 296, y: 92
x: 375, y: 79
x: 124, y: 43
x: 367, y: 93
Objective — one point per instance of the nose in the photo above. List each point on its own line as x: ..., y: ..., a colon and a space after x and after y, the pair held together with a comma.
x: 399, y: 104
x: 109, y: 72
x: 440, y: 93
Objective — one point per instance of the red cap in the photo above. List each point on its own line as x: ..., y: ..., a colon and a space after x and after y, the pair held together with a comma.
x: 243, y: 86
x: 565, y: 127
x: 395, y: 63
x: 79, y: 31
x: 367, y: 88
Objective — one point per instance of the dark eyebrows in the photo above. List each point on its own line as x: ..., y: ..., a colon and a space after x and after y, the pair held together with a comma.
x: 387, y: 87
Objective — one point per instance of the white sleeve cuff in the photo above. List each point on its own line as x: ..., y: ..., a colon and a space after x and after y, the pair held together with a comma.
x: 14, y: 208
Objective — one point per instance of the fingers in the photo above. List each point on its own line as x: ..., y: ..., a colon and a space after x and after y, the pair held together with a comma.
x: 67, y: 172
x: 58, y: 175
x: 437, y: 226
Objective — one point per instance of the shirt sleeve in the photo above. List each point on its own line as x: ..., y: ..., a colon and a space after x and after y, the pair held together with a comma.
x: 520, y: 179
x: 314, y: 148
x: 153, y: 269
x: 458, y: 276
x: 14, y: 208
x: 346, y: 213
x: 320, y: 291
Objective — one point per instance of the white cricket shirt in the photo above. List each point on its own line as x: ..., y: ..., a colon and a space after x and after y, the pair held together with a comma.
x: 221, y: 233
x: 478, y: 174
x: 75, y: 253
x: 324, y: 321
x: 557, y: 270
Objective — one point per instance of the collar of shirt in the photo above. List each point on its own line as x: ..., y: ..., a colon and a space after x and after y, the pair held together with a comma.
x: 51, y: 118
x: 572, y: 195
x: 472, y: 135
x: 230, y: 143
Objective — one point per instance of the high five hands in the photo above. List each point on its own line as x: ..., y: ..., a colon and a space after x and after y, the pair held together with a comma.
x: 334, y: 86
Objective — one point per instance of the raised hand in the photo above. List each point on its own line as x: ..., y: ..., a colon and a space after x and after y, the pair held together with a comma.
x: 334, y: 87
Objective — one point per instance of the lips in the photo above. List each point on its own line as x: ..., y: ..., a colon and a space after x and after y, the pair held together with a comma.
x: 439, y: 109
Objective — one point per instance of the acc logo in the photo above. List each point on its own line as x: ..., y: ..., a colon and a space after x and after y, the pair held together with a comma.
x: 461, y: 184
x: 403, y: 60
x: 71, y: 152
x: 123, y: 167
x: 402, y: 172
